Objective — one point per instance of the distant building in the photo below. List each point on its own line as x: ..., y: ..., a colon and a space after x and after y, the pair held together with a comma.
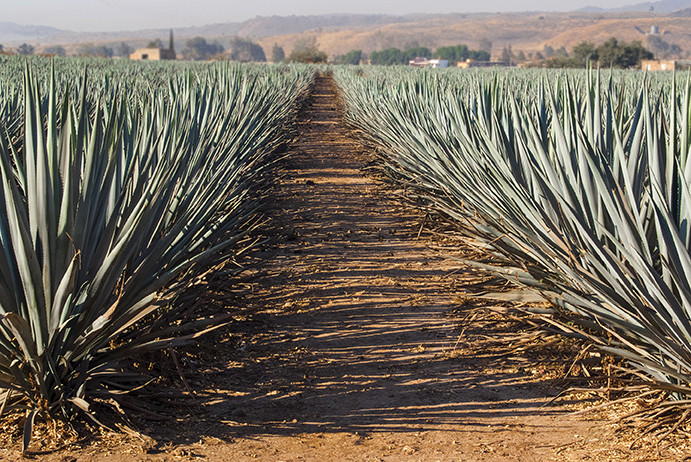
x: 155, y: 54
x: 424, y: 62
x: 468, y: 63
x: 658, y: 65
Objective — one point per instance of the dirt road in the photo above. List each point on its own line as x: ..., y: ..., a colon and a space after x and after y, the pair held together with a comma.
x: 359, y: 359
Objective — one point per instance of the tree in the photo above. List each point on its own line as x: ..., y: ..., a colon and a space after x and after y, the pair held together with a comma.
x: 306, y: 51
x: 155, y: 44
x: 55, y: 50
x: 1, y: 47
x: 479, y: 55
x: 197, y: 49
x: 454, y: 54
x: 520, y: 57
x: 416, y: 52
x: 561, y: 53
x: 622, y: 55
x: 123, y: 50
x: 25, y: 49
x: 277, y: 54
x: 548, y: 51
x: 244, y: 50
x: 608, y: 52
x: 459, y: 53
x: 89, y: 49
x: 352, y: 57
x: 583, y: 53
x: 507, y: 55
x: 387, y: 57
x: 632, y: 54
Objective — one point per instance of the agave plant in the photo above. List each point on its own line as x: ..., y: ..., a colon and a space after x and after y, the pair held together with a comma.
x: 582, y: 192
x: 110, y: 205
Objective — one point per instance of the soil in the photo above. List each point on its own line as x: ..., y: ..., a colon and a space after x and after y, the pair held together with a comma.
x: 363, y: 342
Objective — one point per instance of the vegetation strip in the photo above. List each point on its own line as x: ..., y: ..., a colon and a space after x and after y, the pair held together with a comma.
x: 114, y: 197
x: 579, y: 189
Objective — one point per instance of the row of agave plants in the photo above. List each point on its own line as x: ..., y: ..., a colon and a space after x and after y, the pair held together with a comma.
x: 119, y: 184
x: 577, y: 184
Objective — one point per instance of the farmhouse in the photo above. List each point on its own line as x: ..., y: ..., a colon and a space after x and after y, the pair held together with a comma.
x: 155, y: 54
x: 658, y: 65
x: 424, y: 62
x: 468, y: 63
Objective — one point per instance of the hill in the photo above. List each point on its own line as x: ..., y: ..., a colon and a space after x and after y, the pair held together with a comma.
x: 337, y: 34
x: 11, y: 32
x: 662, y: 6
x: 527, y: 32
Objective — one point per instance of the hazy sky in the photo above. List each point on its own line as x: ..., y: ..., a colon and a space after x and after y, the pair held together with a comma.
x: 111, y: 15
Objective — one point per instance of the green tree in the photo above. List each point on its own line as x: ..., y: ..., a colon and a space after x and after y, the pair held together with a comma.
x: 583, y: 53
x: 454, y: 53
x: 416, y: 52
x: 277, y: 54
x: 387, y: 57
x: 609, y: 52
x: 89, y: 49
x: 352, y: 57
x: 561, y: 53
x: 244, y: 50
x: 198, y: 49
x: 25, y: 49
x: 622, y: 55
x: 123, y: 50
x: 55, y: 50
x: 460, y: 53
x: 479, y: 55
x: 155, y: 44
x: 306, y: 51
x: 507, y: 55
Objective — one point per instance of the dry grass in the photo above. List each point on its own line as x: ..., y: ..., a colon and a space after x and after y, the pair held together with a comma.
x: 528, y: 32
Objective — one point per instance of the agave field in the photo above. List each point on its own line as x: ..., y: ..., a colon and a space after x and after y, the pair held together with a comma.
x: 120, y: 184
x: 576, y: 184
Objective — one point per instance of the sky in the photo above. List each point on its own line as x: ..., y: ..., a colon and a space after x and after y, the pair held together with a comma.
x: 117, y: 15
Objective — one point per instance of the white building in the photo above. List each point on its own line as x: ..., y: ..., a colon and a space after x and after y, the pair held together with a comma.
x: 424, y: 62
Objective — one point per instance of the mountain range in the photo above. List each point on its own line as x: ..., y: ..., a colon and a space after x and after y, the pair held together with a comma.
x: 338, y: 33
x: 664, y: 6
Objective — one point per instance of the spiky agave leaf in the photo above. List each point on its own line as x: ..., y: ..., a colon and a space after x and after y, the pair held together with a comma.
x: 582, y: 192
x: 106, y: 204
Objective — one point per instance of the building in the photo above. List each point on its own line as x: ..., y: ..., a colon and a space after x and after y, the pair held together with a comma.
x: 468, y: 63
x: 424, y: 62
x: 658, y: 65
x: 155, y: 54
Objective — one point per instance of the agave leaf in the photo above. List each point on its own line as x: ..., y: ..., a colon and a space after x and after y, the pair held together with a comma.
x: 28, y: 429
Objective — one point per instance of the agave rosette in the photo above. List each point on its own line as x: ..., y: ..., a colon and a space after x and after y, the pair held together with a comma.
x: 582, y: 191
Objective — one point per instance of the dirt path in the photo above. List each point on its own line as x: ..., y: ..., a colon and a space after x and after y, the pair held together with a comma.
x: 358, y: 359
x: 355, y: 352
